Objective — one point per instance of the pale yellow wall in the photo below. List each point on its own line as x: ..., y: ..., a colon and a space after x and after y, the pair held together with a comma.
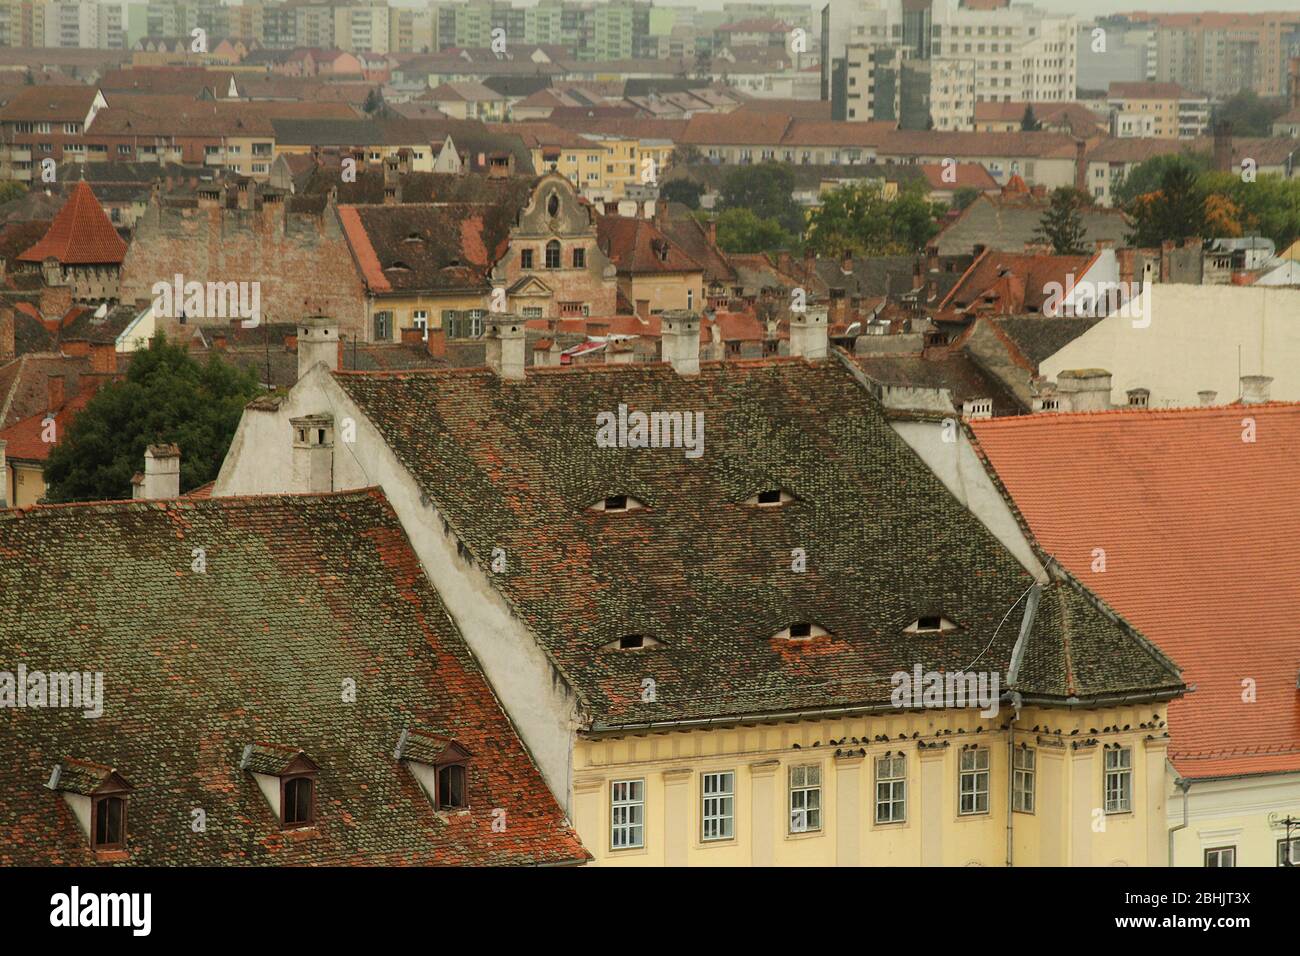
x: 668, y: 291
x: 405, y: 307
x: 1068, y: 826
x: 1243, y: 813
x: 26, y: 484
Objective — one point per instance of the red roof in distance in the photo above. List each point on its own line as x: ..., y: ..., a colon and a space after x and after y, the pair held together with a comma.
x: 81, y: 234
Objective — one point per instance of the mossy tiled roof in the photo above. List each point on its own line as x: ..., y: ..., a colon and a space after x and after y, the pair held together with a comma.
x: 299, y: 595
x: 514, y: 465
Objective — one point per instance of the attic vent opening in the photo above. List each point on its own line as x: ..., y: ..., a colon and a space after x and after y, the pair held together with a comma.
x: 631, y: 642
x: 414, y: 237
x: 617, y: 503
x: 930, y: 624
x: 770, y: 498
x: 801, y: 631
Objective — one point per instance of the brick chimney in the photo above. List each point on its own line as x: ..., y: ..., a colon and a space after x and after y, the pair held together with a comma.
x: 1223, y: 146
x: 808, y: 333
x: 313, y: 453
x: 318, y: 341
x: 504, y: 335
x: 1255, y: 389
x: 55, y: 394
x: 162, y: 472
x: 1081, y: 165
x: 1084, y: 389
x: 7, y: 348
x: 679, y: 340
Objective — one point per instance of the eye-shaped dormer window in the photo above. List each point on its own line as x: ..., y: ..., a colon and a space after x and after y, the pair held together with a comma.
x: 553, y: 205
x: 617, y: 503
x: 632, y: 642
x: 801, y: 631
x: 770, y: 498
x: 930, y: 624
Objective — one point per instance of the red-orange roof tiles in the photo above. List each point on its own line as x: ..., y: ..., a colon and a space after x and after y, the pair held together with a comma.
x: 81, y: 234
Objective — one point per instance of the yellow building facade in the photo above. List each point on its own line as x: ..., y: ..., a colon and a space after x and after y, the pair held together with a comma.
x: 805, y: 793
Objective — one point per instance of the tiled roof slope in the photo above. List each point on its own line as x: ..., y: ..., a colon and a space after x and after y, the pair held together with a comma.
x: 514, y: 465
x: 300, y: 593
x: 1199, y: 530
x: 81, y: 234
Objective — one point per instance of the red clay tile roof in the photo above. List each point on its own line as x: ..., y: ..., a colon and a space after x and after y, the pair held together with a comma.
x: 1016, y: 282
x: 81, y: 234
x: 968, y: 176
x: 1199, y: 530
x: 638, y: 246
x: 24, y: 439
x: 301, y: 593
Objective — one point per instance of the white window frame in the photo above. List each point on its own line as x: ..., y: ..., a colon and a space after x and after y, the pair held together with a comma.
x: 420, y: 320
x: 1117, y: 781
x: 1295, y: 851
x: 973, y: 777
x: 717, y: 806
x: 627, y: 814
x: 805, y: 798
x: 891, y: 789
x: 1222, y: 852
x: 1024, y: 774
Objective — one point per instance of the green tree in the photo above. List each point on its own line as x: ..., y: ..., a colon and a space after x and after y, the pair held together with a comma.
x: 1147, y: 176
x: 11, y: 190
x: 858, y: 220
x: 740, y: 230
x: 685, y: 191
x: 1029, y: 122
x: 166, y: 396
x: 1269, y: 205
x: 964, y: 196
x: 1249, y: 113
x: 1062, y: 223
x: 1174, y: 211
x: 767, y: 189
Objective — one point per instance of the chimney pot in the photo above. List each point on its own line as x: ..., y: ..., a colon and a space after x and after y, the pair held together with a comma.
x: 1085, y: 389
x: 1255, y: 389
x: 313, y: 453
x: 504, y: 336
x: 679, y: 340
x: 162, y: 472
x: 1207, y: 397
x: 318, y: 341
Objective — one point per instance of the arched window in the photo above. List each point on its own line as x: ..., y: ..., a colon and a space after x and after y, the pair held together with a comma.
x: 553, y: 254
x: 110, y: 823
x: 451, y: 787
x: 298, y: 803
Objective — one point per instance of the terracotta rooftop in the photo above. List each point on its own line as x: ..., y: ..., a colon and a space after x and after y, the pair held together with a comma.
x: 81, y: 234
x: 300, y: 594
x: 1198, y: 529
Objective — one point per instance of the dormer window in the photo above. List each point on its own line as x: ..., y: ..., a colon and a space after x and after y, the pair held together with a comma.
x: 770, y: 498
x: 801, y: 631
x: 98, y: 796
x: 930, y: 624
x: 632, y: 642
x: 287, y: 778
x: 617, y: 503
x: 439, y: 764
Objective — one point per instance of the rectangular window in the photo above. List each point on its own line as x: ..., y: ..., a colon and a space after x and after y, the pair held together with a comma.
x: 1022, y: 783
x: 532, y: 312
x: 1119, y: 780
x: 451, y: 323
x: 579, y: 258
x: 476, y: 317
x: 383, y: 326
x: 891, y: 789
x: 627, y: 814
x: 420, y: 320
x: 805, y: 798
x: 973, y: 781
x: 525, y: 258
x: 718, y: 806
x: 1288, y: 852
x: 1221, y: 856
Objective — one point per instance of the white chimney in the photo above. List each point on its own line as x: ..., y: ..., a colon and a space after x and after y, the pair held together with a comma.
x: 313, y: 453
x: 1084, y: 389
x: 162, y: 472
x: 504, y: 336
x: 679, y: 340
x: 1207, y: 397
x: 1254, y: 389
x: 318, y: 341
x: 808, y: 333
